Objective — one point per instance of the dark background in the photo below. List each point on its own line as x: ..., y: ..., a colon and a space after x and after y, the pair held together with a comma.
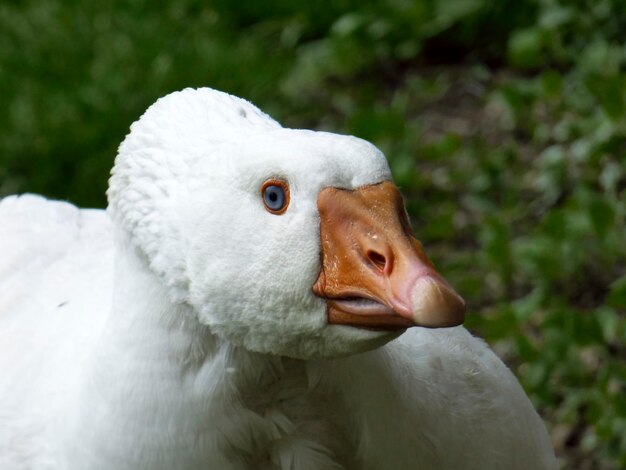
x: 504, y: 123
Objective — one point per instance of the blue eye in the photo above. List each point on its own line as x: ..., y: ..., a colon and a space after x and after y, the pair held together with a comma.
x: 275, y: 196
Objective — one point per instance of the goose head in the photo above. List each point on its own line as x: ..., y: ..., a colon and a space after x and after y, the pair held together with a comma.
x: 282, y: 241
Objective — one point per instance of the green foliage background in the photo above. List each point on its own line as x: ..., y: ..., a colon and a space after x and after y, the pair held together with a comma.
x: 504, y: 123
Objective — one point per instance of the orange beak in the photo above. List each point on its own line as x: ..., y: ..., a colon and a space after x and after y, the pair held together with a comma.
x: 374, y: 272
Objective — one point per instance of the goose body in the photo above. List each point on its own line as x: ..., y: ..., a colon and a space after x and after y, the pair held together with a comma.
x: 179, y: 328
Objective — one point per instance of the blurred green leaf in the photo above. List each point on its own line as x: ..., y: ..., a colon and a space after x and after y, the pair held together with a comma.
x: 617, y: 294
x: 602, y: 215
x: 609, y: 91
x: 552, y: 83
x: 525, y: 48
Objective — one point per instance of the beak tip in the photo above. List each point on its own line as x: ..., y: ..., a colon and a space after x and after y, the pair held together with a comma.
x: 436, y: 304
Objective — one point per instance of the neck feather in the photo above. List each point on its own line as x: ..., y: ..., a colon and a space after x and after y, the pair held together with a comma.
x: 157, y: 374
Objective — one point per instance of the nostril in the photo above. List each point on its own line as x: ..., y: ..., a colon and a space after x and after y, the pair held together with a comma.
x: 378, y: 260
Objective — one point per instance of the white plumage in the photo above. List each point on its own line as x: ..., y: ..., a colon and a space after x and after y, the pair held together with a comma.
x: 178, y: 329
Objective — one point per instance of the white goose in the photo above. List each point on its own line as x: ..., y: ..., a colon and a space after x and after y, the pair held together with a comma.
x: 243, y: 303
